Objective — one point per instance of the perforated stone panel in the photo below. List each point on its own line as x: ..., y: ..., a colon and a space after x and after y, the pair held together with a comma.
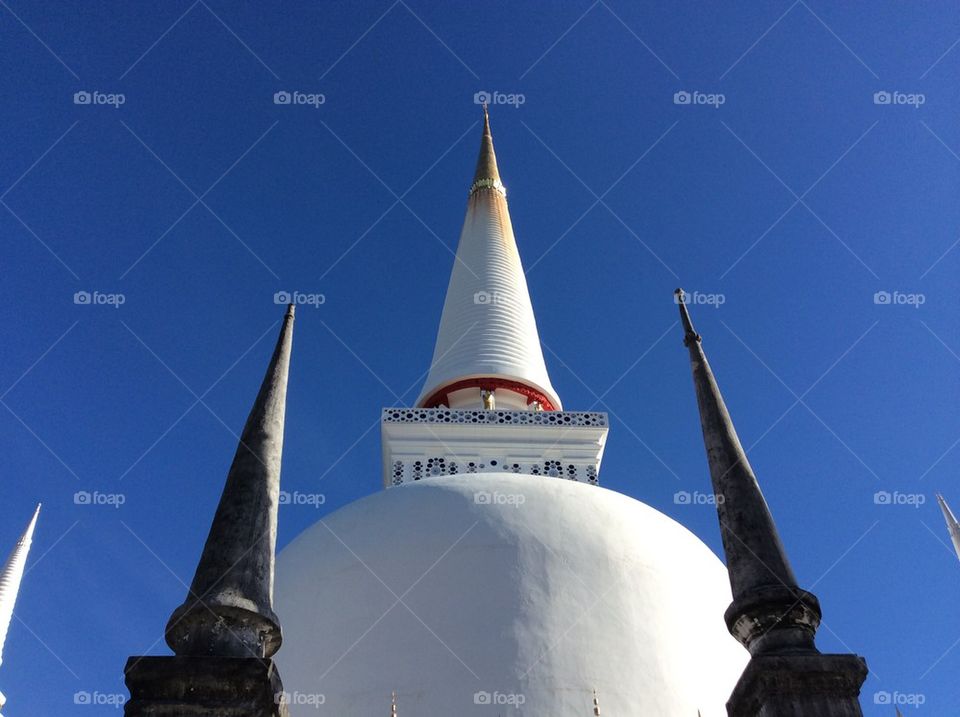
x: 533, y: 418
x: 422, y: 443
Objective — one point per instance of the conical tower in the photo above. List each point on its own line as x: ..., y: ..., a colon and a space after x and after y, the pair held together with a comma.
x: 770, y: 615
x: 12, y: 575
x: 488, y: 344
x: 225, y: 632
x: 488, y: 403
x: 952, y: 525
x: 10, y: 580
x: 229, y: 610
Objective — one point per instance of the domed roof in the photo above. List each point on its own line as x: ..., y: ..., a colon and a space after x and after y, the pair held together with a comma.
x: 488, y: 594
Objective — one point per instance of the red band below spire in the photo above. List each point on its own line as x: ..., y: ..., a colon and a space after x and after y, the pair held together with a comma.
x: 439, y: 397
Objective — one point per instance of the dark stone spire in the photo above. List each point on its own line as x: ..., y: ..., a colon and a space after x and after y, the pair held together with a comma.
x: 768, y: 611
x: 229, y: 610
x: 770, y: 615
x: 225, y: 632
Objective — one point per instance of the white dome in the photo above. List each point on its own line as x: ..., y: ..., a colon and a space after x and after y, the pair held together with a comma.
x: 533, y: 591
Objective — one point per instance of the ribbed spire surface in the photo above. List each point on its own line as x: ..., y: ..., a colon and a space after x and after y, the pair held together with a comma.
x: 12, y: 575
x: 229, y: 610
x: 952, y: 525
x: 488, y: 330
x: 769, y: 612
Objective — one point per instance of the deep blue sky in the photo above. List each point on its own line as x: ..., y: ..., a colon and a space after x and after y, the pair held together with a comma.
x: 797, y: 200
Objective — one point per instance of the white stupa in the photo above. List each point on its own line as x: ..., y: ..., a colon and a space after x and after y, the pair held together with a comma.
x: 492, y: 575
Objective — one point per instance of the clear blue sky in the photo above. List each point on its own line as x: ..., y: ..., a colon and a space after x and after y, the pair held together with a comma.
x: 797, y: 199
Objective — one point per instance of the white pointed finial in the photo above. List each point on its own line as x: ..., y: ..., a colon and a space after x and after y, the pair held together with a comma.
x: 12, y: 575
x: 10, y: 580
x: 952, y: 525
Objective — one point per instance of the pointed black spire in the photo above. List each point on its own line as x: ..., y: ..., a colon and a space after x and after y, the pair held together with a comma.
x: 769, y: 611
x: 229, y: 610
x: 772, y: 617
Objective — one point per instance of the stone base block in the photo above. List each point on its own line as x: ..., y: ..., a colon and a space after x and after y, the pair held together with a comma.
x: 799, y: 686
x: 185, y: 686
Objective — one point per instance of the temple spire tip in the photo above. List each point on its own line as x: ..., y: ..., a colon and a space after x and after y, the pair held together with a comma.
x: 690, y: 335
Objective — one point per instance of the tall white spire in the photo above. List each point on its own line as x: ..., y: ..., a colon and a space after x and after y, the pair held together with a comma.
x: 11, y: 576
x: 952, y: 525
x: 488, y: 349
x: 10, y: 582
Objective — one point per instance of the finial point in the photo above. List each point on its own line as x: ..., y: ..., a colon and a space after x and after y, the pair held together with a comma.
x: 291, y: 310
x: 690, y: 336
